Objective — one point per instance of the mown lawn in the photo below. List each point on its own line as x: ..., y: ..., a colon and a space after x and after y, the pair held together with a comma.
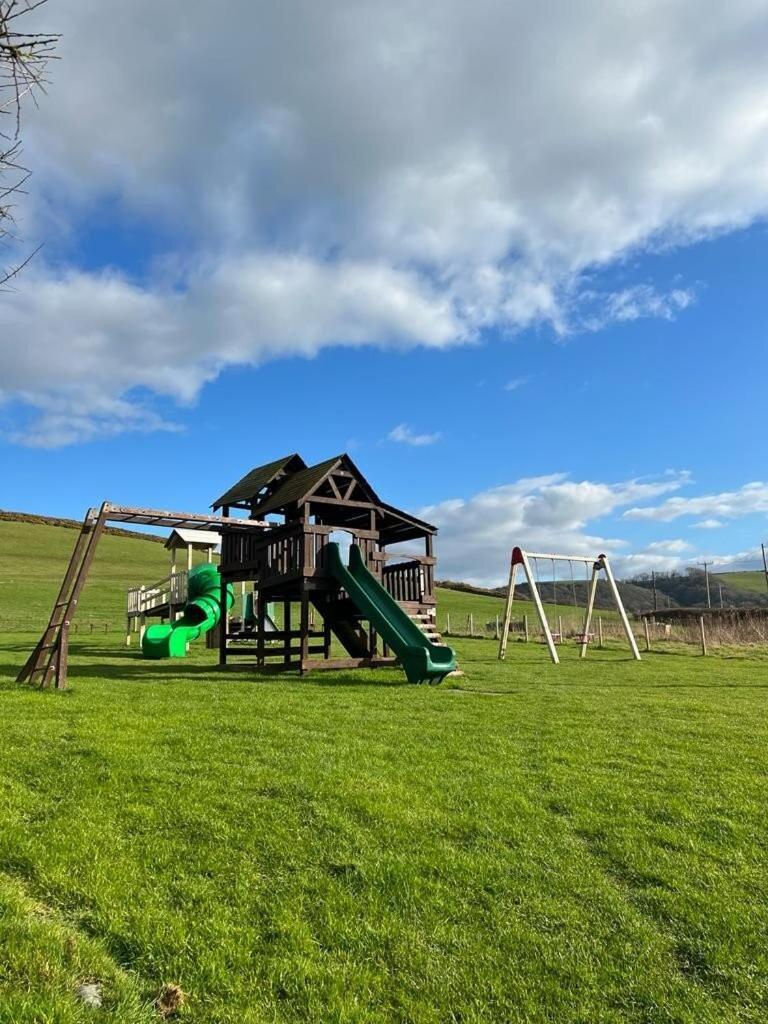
x: 522, y: 844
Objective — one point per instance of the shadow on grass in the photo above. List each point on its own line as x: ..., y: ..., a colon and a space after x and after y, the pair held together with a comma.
x: 136, y: 670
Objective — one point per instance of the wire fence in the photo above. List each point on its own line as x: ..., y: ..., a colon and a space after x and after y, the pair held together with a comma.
x: 82, y: 627
x: 703, y: 633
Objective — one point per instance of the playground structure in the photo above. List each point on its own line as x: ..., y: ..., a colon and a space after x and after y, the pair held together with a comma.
x: 598, y: 564
x: 378, y: 611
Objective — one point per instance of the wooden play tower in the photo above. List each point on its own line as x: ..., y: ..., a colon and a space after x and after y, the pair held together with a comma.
x: 306, y: 507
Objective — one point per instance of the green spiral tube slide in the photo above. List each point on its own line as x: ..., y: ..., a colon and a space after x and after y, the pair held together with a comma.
x: 201, y: 613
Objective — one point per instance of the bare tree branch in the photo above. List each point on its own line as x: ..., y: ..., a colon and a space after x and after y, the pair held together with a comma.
x: 24, y: 58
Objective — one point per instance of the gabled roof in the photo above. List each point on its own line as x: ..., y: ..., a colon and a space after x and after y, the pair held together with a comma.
x: 298, y: 485
x: 197, y: 538
x: 249, y: 486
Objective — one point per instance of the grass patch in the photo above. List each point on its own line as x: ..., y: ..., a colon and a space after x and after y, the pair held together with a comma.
x: 524, y: 843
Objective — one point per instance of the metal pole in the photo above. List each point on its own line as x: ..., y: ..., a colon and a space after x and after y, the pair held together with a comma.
x: 765, y: 564
x: 655, y: 595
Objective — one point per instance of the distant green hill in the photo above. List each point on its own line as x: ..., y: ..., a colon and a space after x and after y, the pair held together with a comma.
x: 752, y: 581
x: 689, y: 588
x: 34, y: 557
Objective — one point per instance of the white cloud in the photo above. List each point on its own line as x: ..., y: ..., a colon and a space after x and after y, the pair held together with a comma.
x: 546, y: 513
x: 748, y: 500
x: 336, y: 179
x: 709, y: 524
x: 90, y: 341
x: 403, y: 434
x: 669, y: 547
x: 633, y: 303
x: 515, y: 383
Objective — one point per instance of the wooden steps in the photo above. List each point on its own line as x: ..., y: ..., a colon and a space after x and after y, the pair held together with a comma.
x: 428, y: 626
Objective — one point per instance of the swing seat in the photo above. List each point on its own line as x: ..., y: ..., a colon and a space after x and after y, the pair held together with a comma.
x: 584, y: 638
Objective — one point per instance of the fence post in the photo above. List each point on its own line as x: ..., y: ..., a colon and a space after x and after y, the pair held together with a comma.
x: 703, y: 636
x: 525, y: 627
x: 471, y: 624
x: 497, y: 635
x: 560, y: 627
x: 600, y: 631
x: 447, y: 623
x: 647, y: 634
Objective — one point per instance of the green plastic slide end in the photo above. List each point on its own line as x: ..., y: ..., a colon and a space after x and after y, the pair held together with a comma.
x: 422, y: 661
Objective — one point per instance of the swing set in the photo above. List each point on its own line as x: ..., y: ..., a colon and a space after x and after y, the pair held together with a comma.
x: 597, y: 565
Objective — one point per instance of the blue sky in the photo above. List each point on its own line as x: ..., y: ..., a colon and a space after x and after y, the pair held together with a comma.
x: 565, y: 355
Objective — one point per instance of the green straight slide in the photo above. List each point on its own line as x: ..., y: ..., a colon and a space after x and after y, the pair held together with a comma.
x: 422, y: 661
x: 201, y: 613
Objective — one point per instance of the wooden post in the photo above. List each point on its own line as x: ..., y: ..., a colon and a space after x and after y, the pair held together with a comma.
x: 508, y: 607
x: 471, y: 624
x: 560, y: 627
x: 62, y: 657
x: 497, y: 634
x: 525, y: 628
x: 261, y: 625
x: 223, y: 623
x: 620, y: 606
x: 647, y: 634
x: 540, y: 610
x: 703, y: 636
x: 304, y: 627
x: 600, y: 630
x: 286, y: 631
x: 447, y: 623
x: 588, y: 613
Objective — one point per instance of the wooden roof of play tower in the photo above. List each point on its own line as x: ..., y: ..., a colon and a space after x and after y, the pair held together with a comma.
x: 335, y: 491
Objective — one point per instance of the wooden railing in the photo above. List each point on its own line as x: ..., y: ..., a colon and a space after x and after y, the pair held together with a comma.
x: 292, y: 550
x: 298, y: 549
x: 171, y: 590
x: 411, y: 582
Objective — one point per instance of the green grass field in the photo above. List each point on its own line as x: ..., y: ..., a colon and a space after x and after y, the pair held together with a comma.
x: 748, y: 580
x: 521, y: 844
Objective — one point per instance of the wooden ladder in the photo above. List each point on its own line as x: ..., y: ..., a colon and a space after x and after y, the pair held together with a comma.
x: 49, y: 658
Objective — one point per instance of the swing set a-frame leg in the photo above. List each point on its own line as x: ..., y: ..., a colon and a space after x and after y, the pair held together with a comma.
x: 540, y: 610
x: 590, y: 608
x: 620, y: 607
x: 508, y: 607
